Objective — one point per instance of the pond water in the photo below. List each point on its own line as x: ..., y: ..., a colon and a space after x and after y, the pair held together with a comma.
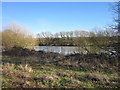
x: 64, y: 49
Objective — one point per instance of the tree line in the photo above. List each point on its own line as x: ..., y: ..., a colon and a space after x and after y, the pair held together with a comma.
x: 74, y: 38
x: 61, y: 38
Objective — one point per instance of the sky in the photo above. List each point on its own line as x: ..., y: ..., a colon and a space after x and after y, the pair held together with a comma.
x: 57, y: 16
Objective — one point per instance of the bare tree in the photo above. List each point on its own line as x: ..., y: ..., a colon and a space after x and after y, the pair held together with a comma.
x: 62, y: 34
x: 116, y: 10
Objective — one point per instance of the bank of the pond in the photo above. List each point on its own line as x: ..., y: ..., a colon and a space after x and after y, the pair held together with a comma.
x: 72, y: 60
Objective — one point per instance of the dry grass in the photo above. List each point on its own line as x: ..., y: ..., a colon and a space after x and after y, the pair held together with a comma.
x: 24, y: 76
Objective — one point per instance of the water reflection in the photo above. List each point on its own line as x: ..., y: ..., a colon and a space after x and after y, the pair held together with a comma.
x: 65, y: 49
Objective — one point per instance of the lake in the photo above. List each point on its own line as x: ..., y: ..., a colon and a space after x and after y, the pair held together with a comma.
x: 65, y: 49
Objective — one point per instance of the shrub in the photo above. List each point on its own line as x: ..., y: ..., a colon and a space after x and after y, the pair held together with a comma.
x: 16, y: 36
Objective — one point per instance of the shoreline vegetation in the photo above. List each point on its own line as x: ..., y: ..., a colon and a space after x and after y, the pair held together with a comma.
x: 25, y: 68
